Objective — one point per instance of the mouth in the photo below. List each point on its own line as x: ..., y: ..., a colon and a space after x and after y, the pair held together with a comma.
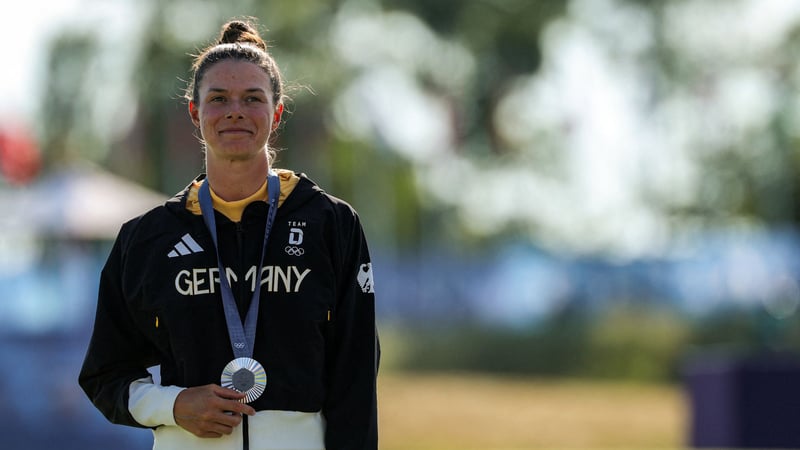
x: 235, y: 131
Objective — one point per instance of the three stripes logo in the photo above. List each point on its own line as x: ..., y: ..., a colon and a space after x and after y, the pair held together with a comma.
x: 186, y: 246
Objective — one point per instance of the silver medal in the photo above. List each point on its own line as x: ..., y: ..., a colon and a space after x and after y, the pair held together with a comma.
x: 245, y: 375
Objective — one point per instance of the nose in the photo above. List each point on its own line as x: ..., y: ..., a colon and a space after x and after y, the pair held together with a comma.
x: 234, y: 111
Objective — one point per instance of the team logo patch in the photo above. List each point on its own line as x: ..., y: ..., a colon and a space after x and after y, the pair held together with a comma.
x: 295, y: 239
x: 365, y: 280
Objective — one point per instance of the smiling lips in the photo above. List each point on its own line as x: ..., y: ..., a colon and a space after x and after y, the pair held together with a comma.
x: 235, y: 131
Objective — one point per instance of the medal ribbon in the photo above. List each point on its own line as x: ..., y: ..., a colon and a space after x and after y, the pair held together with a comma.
x: 242, y: 336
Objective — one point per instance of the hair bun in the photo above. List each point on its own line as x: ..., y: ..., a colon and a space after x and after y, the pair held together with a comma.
x: 238, y: 31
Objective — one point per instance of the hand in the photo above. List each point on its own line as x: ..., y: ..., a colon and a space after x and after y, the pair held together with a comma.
x: 210, y: 411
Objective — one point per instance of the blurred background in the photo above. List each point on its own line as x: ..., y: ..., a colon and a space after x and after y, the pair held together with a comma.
x: 577, y: 209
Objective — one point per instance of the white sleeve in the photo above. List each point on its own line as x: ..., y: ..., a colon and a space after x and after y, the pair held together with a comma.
x: 151, y: 404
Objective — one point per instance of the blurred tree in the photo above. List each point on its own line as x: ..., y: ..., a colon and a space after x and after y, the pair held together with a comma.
x: 747, y: 151
x: 67, y: 96
x: 418, y: 100
x: 160, y: 148
x: 504, y: 36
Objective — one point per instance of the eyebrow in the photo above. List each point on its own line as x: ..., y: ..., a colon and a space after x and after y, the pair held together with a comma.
x: 215, y: 89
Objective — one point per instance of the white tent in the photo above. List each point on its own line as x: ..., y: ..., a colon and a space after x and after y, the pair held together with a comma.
x: 81, y: 201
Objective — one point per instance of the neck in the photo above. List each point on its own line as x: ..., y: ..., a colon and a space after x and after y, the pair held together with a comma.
x: 236, y: 180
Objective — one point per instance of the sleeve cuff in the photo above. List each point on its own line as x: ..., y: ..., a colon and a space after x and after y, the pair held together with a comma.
x: 150, y: 404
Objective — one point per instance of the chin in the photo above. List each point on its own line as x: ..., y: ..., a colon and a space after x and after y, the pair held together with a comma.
x: 240, y: 155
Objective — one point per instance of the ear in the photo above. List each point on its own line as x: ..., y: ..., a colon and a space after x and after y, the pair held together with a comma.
x: 194, y: 114
x: 276, y: 117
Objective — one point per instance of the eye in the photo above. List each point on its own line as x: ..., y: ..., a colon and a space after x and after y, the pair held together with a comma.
x: 253, y: 98
x: 216, y: 99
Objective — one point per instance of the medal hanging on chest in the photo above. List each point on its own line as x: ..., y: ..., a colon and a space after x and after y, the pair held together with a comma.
x: 243, y: 374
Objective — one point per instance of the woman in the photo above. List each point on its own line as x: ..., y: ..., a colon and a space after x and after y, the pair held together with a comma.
x: 251, y: 289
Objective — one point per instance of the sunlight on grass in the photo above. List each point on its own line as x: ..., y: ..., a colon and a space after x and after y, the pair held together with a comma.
x: 460, y: 411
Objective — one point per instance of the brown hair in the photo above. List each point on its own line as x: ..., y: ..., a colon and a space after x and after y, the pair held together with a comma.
x: 240, y: 40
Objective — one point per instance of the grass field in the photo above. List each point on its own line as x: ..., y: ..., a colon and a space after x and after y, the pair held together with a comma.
x: 465, y: 412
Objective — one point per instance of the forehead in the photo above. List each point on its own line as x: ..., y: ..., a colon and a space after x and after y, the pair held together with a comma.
x: 235, y: 74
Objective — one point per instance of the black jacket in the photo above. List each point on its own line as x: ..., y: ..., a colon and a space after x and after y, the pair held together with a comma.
x: 159, y: 304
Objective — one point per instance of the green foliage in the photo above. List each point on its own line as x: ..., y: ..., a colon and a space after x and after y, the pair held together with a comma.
x: 636, y: 343
x: 67, y: 93
x: 161, y: 151
x: 723, y: 166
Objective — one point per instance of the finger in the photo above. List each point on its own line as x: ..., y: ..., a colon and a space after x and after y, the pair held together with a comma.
x: 206, y: 428
x: 216, y: 424
x: 238, y: 408
x: 228, y: 393
x: 231, y: 405
x: 209, y: 434
x: 229, y: 419
x: 221, y: 429
x: 231, y: 400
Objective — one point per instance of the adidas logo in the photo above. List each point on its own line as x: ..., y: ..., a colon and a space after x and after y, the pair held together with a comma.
x: 185, y: 246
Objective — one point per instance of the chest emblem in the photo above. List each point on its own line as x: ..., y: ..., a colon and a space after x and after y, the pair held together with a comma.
x: 365, y: 280
x: 295, y: 239
x: 186, y: 246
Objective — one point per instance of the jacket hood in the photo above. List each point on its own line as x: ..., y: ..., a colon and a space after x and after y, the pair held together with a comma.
x: 296, y: 189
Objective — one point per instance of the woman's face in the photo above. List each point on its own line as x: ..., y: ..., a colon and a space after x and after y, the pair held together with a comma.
x: 235, y: 111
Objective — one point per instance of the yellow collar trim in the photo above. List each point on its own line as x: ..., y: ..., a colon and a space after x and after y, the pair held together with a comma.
x: 233, y: 210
